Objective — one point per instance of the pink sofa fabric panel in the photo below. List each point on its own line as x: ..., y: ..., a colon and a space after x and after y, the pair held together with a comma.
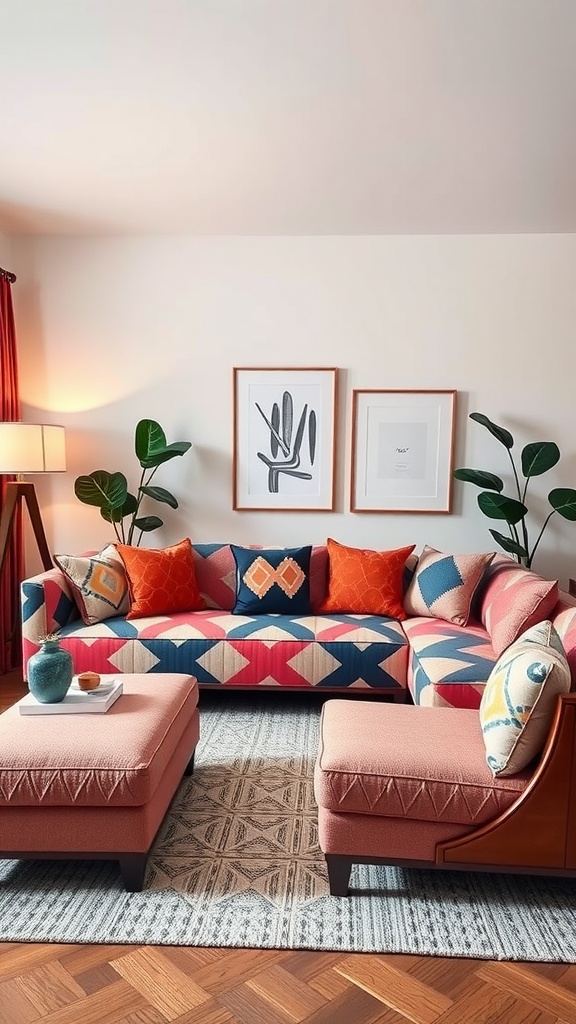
x: 98, y: 829
x: 392, y: 839
x: 449, y: 695
x: 215, y: 574
x: 564, y: 621
x: 397, y: 761
x: 115, y: 759
x: 514, y: 599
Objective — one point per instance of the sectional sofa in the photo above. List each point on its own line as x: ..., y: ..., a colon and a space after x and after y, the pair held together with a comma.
x: 422, y: 658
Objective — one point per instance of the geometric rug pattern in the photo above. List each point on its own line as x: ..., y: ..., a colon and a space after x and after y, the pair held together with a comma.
x: 236, y: 863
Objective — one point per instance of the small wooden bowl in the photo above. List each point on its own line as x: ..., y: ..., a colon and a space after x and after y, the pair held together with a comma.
x: 88, y: 680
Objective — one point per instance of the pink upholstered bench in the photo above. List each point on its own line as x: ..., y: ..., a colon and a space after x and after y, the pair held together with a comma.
x: 97, y: 786
x: 406, y: 785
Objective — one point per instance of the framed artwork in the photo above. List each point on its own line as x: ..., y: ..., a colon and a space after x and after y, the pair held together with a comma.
x: 402, y: 451
x: 284, y: 429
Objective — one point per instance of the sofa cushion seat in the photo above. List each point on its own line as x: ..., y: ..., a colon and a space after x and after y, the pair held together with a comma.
x: 448, y: 665
x: 220, y: 648
x: 409, y: 763
x: 121, y: 765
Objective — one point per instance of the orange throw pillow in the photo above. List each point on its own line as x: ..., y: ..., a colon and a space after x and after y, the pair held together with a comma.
x: 365, y: 582
x: 161, y: 580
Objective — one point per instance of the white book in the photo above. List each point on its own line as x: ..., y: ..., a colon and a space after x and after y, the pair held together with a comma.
x: 76, y: 701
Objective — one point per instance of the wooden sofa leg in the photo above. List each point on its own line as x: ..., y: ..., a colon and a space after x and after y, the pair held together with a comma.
x: 339, y: 868
x: 133, y: 868
x: 189, y: 769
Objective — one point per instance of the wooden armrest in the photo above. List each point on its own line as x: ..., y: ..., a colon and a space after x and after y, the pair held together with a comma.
x: 538, y: 830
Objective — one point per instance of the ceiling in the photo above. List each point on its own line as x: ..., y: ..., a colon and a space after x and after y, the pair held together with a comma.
x: 287, y: 116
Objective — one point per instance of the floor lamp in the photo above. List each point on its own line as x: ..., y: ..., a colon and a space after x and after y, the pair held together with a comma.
x: 28, y: 448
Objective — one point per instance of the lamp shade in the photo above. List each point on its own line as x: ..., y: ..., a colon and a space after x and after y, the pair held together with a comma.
x: 32, y: 448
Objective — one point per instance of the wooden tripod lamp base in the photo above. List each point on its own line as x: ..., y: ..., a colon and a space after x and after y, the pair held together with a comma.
x: 16, y: 493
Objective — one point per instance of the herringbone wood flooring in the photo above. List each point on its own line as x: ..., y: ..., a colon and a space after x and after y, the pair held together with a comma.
x: 68, y: 984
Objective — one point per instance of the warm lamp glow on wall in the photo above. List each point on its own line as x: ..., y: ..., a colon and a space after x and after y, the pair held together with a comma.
x: 28, y: 448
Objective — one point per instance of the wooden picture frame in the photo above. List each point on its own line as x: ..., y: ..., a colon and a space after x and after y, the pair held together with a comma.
x: 284, y: 434
x: 402, y: 450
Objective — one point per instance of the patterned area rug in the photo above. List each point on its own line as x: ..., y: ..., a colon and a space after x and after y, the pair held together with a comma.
x: 236, y: 863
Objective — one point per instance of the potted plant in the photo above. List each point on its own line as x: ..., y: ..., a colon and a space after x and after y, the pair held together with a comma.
x: 536, y: 458
x: 109, y: 491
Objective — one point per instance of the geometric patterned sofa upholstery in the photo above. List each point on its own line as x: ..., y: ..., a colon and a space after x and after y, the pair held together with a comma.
x: 239, y: 650
x: 428, y: 660
x: 222, y: 649
x: 448, y: 665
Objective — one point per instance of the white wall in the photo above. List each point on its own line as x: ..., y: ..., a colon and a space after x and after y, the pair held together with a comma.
x: 5, y: 251
x: 111, y: 331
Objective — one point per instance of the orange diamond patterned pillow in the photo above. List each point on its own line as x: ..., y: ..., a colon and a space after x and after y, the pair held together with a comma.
x: 161, y: 580
x: 361, y: 581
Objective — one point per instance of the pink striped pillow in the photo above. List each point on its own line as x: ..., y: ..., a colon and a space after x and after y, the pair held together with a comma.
x: 513, y: 600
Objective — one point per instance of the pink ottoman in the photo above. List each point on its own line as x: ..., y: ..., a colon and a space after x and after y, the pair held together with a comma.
x: 394, y: 784
x: 97, y: 786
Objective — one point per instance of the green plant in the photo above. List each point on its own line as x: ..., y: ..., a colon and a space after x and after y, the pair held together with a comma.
x: 109, y: 491
x: 536, y: 458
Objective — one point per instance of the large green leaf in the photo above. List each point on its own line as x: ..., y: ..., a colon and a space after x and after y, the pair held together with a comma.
x: 102, y: 489
x: 498, y: 506
x: 130, y: 505
x: 509, y: 545
x: 116, y: 515
x: 538, y: 457
x: 149, y: 438
x: 151, y: 447
x: 160, y: 494
x: 479, y: 477
x: 112, y: 515
x: 165, y: 454
x: 503, y: 435
x: 563, y: 500
x: 148, y: 523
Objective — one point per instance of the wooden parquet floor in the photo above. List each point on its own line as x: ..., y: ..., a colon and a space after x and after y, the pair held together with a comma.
x: 86, y: 984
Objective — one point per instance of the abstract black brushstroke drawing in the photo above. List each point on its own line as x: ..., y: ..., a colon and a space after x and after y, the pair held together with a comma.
x: 280, y: 424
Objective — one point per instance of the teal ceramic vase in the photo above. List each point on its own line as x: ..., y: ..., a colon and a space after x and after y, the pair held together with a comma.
x: 50, y: 672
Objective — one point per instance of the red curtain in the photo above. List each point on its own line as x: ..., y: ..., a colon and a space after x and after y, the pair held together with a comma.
x: 10, y: 648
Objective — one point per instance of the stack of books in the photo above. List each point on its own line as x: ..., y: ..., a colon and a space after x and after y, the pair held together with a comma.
x: 76, y: 701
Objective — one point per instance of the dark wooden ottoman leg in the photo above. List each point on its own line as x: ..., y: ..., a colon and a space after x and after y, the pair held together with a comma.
x: 133, y: 868
x: 190, y: 766
x: 339, y: 868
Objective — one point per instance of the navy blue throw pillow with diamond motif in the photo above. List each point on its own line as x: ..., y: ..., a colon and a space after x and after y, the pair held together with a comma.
x: 272, y: 581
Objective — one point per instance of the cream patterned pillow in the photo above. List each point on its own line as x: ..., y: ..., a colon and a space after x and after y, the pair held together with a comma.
x: 99, y: 583
x: 520, y: 698
x: 443, y: 586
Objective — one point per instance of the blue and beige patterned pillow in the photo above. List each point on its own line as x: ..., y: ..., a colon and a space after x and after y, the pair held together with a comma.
x: 99, y: 583
x: 443, y: 586
x: 272, y: 581
x: 520, y: 697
